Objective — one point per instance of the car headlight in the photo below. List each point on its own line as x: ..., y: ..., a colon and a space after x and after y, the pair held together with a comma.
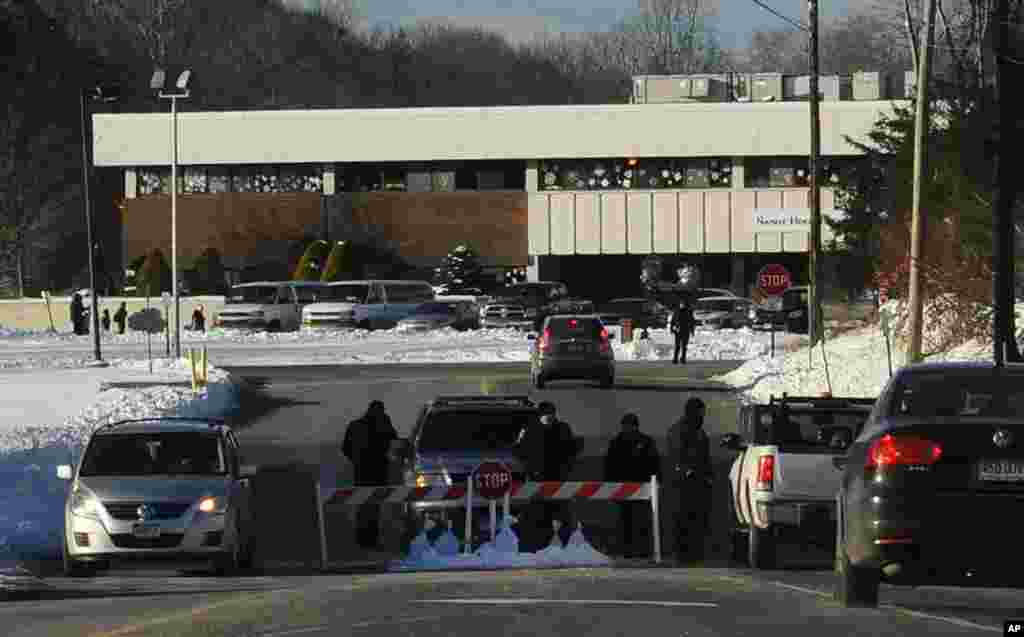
x: 213, y: 505
x: 431, y: 479
x: 84, y: 504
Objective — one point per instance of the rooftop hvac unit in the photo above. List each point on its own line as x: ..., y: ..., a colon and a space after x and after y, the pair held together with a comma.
x: 766, y: 87
x: 872, y: 85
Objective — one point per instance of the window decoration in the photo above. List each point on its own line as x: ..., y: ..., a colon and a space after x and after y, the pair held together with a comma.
x: 632, y: 174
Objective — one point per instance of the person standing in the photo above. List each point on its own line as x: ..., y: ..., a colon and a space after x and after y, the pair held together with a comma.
x: 632, y: 457
x: 693, y: 476
x: 77, y: 311
x: 366, y: 445
x: 683, y: 327
x: 121, y: 317
x: 548, y: 449
x: 106, y: 320
x: 198, y: 319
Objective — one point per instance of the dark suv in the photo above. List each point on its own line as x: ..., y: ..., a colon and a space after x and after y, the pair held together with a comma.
x: 572, y: 346
x: 519, y: 305
x: 452, y: 436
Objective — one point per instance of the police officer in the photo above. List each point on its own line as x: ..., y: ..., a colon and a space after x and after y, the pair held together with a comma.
x: 690, y: 448
x: 367, y: 444
x: 683, y: 326
x: 548, y: 449
x: 632, y: 457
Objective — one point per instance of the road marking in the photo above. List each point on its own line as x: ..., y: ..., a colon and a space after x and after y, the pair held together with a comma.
x: 406, y: 620
x: 592, y: 602
x: 166, y: 619
x: 296, y: 631
x: 963, y: 623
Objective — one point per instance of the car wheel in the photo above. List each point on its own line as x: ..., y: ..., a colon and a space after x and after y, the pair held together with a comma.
x: 246, y: 557
x: 855, y: 586
x: 364, y: 325
x: 608, y: 382
x: 538, y: 381
x: 74, y: 568
x: 738, y: 546
x: 274, y: 326
x: 228, y: 563
x: 761, y: 548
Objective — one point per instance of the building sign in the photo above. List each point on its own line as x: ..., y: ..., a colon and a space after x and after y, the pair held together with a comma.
x: 788, y: 218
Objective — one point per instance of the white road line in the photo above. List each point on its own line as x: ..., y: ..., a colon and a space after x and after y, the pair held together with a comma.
x: 296, y: 631
x: 406, y: 620
x: 592, y: 602
x: 963, y: 623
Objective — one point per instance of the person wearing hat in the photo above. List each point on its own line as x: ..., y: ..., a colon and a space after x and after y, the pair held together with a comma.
x: 367, y: 445
x: 548, y: 449
x: 632, y: 457
x: 690, y: 450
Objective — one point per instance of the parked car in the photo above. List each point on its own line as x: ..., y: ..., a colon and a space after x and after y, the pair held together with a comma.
x: 782, y: 482
x: 796, y: 309
x: 269, y: 305
x: 703, y: 293
x: 572, y: 347
x: 644, y: 313
x: 768, y: 314
x: 162, y: 489
x: 518, y: 305
x: 459, y: 315
x: 721, y: 312
x: 931, y: 487
x: 367, y: 304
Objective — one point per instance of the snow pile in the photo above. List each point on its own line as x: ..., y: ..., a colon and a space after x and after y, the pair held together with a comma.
x: 705, y: 344
x: 503, y: 552
x: 940, y: 329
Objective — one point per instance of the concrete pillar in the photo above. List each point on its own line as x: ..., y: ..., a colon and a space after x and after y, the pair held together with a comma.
x: 131, y: 183
x: 533, y: 269
x: 532, y: 175
x: 738, y: 173
x: 329, y: 181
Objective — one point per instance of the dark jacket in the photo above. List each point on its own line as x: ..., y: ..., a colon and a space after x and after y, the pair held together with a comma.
x: 683, y: 322
x: 691, y: 451
x: 632, y: 457
x: 198, y: 321
x: 547, y: 452
x: 120, y: 316
x: 366, y: 445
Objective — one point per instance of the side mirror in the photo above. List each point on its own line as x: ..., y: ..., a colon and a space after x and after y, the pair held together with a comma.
x: 64, y: 472
x: 733, y: 442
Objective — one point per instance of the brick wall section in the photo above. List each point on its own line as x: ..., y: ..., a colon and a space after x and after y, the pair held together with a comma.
x: 249, y: 226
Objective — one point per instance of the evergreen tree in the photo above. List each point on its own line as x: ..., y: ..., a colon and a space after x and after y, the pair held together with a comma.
x: 460, y: 268
x: 155, y: 275
x: 312, y: 262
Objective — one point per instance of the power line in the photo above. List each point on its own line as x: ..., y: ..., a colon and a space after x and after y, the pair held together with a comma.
x: 781, y: 16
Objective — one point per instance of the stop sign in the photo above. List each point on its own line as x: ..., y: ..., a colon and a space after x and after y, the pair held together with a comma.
x: 773, y: 279
x: 492, y: 480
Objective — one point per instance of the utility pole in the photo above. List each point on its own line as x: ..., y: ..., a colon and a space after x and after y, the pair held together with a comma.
x: 815, y: 322
x: 922, y: 125
x: 1003, y: 239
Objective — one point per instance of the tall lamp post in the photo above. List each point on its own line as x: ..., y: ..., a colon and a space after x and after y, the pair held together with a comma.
x: 95, y: 94
x: 157, y: 84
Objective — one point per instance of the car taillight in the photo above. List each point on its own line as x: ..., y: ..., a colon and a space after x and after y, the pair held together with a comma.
x: 605, y: 345
x: 545, y: 340
x: 902, y: 449
x: 765, y: 473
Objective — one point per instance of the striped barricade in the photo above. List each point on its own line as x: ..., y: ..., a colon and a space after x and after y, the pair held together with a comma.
x: 519, y: 491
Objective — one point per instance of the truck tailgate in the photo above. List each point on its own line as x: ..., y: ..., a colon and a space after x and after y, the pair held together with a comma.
x: 805, y: 476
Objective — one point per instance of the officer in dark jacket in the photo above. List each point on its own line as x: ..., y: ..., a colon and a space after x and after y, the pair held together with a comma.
x: 120, y: 316
x: 77, y: 311
x: 367, y: 445
x: 683, y: 326
x: 693, y: 478
x: 632, y: 457
x: 547, y: 449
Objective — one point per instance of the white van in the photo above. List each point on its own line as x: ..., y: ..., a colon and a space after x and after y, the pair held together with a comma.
x: 269, y: 305
x: 370, y: 304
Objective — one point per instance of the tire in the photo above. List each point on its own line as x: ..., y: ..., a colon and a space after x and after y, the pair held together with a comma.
x: 761, y: 548
x: 538, y: 381
x: 227, y: 564
x: 738, y: 547
x: 246, y: 558
x: 856, y: 586
x: 74, y: 568
x: 364, y: 325
x: 274, y: 326
x: 607, y: 382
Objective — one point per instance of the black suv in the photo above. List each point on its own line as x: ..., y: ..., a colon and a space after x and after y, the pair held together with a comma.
x: 519, y: 305
x: 452, y: 436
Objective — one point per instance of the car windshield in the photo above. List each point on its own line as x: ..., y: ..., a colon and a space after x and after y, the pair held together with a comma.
x: 474, y: 430
x: 723, y: 305
x: 167, y: 453
x: 951, y: 394
x: 345, y: 293
x: 436, y: 308
x: 578, y: 327
x: 263, y: 294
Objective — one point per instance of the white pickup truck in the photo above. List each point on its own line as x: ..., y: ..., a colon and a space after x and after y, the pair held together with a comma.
x: 783, y: 481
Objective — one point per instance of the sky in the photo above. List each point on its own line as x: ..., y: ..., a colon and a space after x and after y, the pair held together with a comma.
x: 521, y: 20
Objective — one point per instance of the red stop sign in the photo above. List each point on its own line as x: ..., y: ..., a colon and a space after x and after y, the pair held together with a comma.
x: 492, y: 480
x: 773, y: 279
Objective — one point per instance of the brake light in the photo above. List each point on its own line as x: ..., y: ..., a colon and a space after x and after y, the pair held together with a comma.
x: 605, y: 345
x: 573, y: 323
x: 545, y: 340
x: 902, y: 449
x: 765, y: 473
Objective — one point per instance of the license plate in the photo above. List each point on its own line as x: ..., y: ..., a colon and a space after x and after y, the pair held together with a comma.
x: 146, y: 531
x: 1001, y: 470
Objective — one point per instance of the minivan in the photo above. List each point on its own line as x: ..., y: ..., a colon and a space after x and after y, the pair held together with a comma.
x: 368, y: 304
x: 270, y: 305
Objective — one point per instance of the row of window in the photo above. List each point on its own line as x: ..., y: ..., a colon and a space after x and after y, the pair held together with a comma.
x: 570, y: 174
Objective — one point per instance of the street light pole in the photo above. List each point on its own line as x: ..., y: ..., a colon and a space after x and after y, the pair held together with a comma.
x: 94, y: 300
x: 815, y: 322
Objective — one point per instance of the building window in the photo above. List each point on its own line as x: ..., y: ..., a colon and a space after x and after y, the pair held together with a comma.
x: 300, y: 178
x: 632, y: 174
x: 218, y: 179
x: 794, y: 172
x: 194, y: 179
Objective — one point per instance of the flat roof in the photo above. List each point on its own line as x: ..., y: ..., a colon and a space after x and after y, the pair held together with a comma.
x: 731, y: 129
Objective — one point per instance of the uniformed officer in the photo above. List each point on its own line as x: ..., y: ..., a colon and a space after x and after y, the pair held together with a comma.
x: 367, y: 444
x: 683, y: 326
x: 632, y: 457
x: 693, y: 477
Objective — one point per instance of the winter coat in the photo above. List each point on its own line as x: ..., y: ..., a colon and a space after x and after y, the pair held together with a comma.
x: 120, y: 316
x: 690, y: 450
x: 366, y: 445
x: 547, y: 451
x: 632, y: 457
x: 683, y: 322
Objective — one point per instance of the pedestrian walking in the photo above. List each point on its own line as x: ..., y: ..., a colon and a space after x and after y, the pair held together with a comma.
x: 683, y: 327
x: 198, y: 319
x: 632, y: 457
x: 77, y: 311
x: 693, y: 476
x: 106, y: 320
x: 367, y: 444
x: 121, y: 316
x: 548, y: 450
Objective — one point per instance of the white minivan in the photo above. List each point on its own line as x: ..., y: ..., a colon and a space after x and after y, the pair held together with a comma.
x: 371, y: 304
x: 269, y: 305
